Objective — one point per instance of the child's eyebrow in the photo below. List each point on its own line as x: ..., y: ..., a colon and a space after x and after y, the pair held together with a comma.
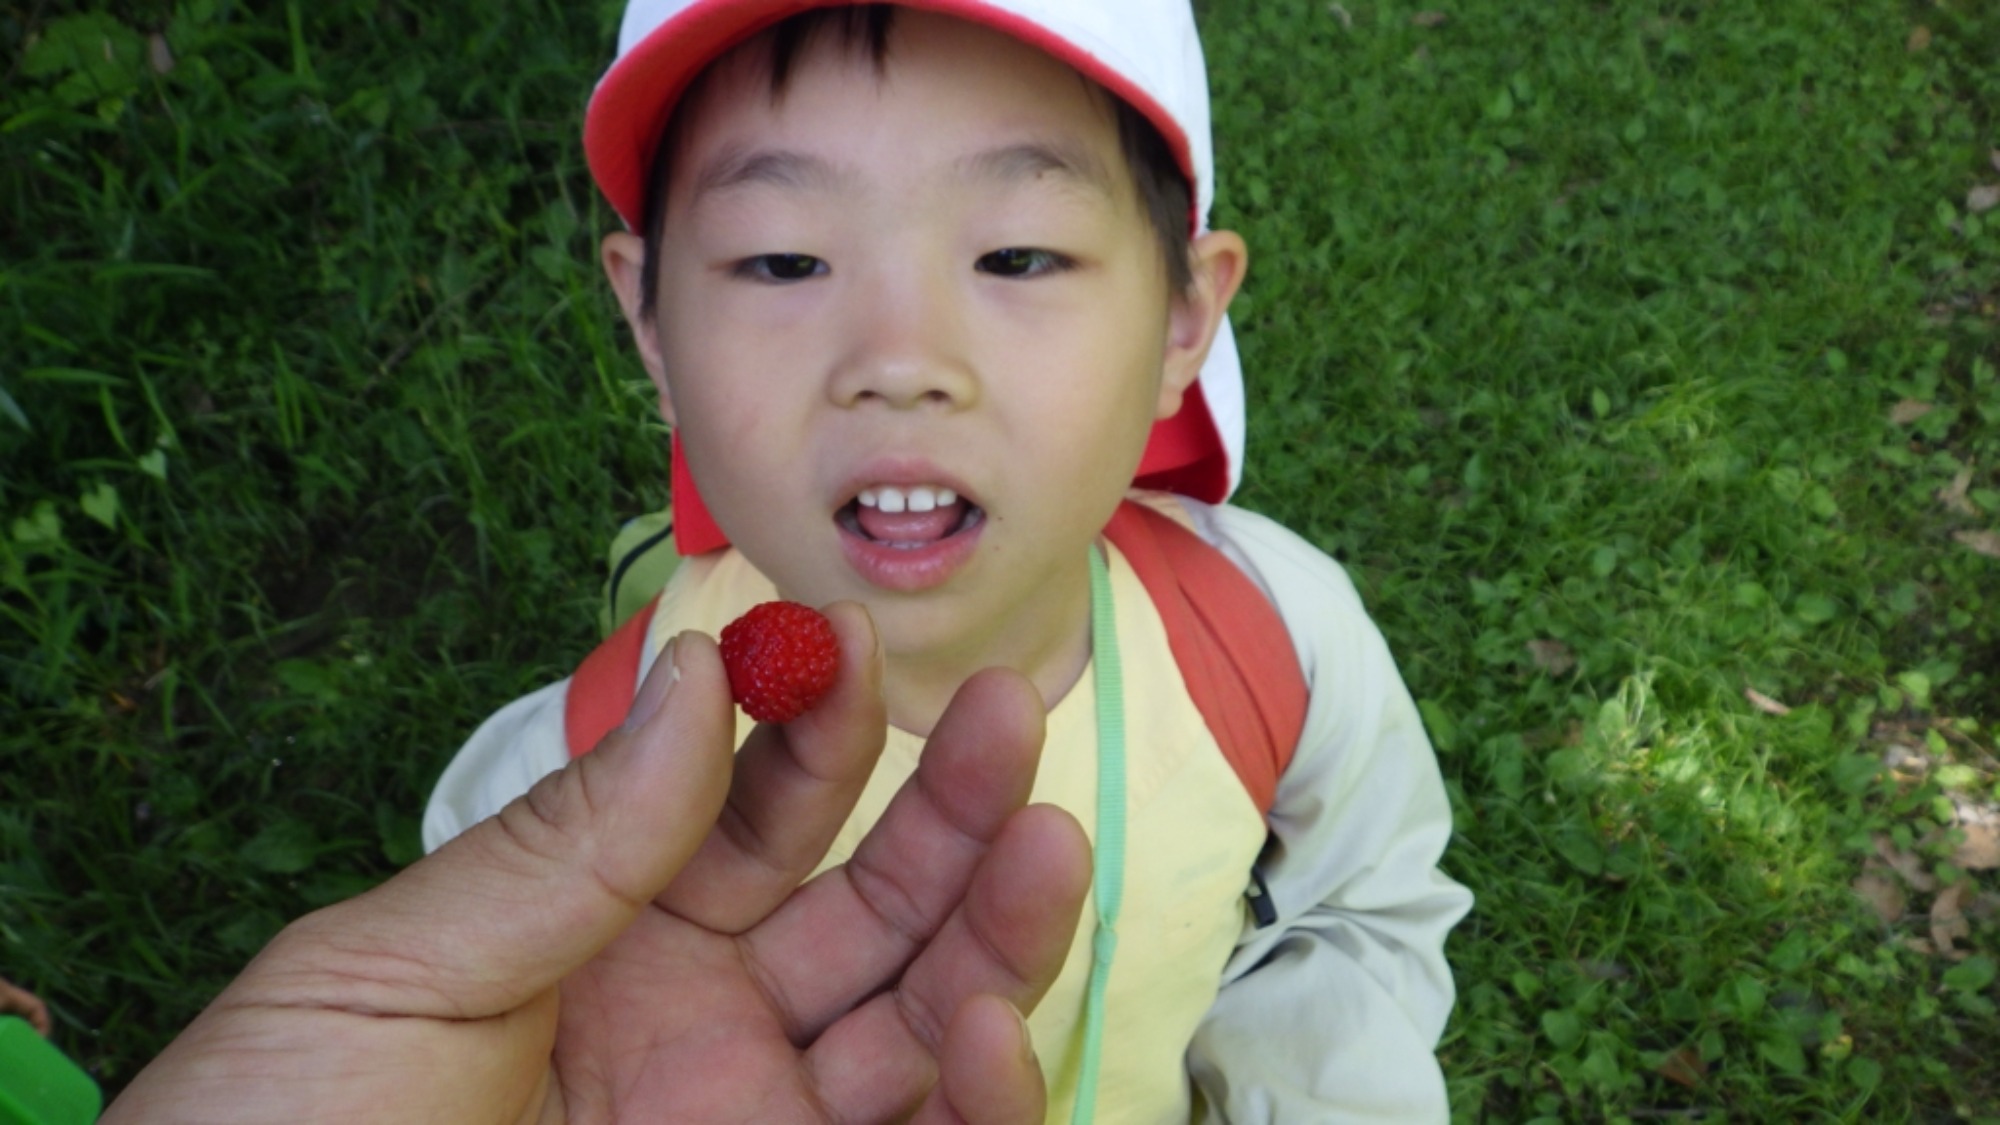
x: 800, y: 171
x: 782, y: 168
x: 1033, y: 159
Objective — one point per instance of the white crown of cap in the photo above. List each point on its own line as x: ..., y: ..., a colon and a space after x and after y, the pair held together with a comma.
x: 1151, y: 44
x: 1148, y: 48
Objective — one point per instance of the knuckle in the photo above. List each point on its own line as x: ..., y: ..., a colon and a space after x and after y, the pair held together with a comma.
x: 891, y: 902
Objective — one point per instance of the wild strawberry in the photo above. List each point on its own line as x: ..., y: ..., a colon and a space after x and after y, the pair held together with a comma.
x: 781, y: 658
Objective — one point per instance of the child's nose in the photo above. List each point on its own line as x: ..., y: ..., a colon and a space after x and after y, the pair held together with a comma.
x: 906, y: 347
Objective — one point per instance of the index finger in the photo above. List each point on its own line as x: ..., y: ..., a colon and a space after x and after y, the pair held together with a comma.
x: 855, y: 927
x: 794, y: 786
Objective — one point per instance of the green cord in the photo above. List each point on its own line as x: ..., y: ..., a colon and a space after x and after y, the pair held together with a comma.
x: 1109, y: 878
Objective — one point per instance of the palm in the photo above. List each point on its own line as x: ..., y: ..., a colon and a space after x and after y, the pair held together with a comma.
x: 666, y: 1002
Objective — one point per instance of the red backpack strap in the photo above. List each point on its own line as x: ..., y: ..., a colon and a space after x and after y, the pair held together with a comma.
x: 601, y: 691
x: 1228, y: 640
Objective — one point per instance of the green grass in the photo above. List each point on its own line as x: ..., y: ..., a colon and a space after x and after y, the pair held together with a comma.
x: 1572, y: 323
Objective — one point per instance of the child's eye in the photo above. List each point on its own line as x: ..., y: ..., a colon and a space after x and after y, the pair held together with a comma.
x: 1019, y: 261
x: 780, y: 267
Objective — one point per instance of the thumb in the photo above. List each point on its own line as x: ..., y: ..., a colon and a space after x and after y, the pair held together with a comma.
x: 510, y: 907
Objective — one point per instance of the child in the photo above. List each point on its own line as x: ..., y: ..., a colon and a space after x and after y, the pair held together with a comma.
x: 929, y: 301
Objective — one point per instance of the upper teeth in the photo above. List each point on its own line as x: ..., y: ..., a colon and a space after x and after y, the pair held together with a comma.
x: 922, y: 498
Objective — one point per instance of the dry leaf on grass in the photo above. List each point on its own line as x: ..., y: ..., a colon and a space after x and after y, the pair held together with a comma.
x: 1920, y: 39
x: 1908, y: 865
x: 1883, y: 894
x: 1948, y: 922
x: 1551, y: 656
x: 1909, y: 410
x: 1906, y: 764
x: 1765, y: 703
x: 1982, y: 198
x: 1953, y: 495
x: 1984, y: 542
x: 1977, y: 822
x: 1980, y: 850
x: 1429, y: 19
x: 159, y: 54
x: 1684, y: 1067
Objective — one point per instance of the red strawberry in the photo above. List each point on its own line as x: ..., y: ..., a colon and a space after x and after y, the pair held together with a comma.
x: 781, y: 658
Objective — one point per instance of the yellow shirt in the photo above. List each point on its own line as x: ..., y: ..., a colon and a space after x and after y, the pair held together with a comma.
x: 1192, y: 834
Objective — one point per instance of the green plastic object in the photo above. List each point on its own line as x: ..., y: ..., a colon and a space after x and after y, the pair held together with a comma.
x: 38, y: 1084
x: 1108, y: 870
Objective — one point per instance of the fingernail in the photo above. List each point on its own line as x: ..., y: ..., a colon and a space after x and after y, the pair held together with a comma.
x: 653, y: 693
x: 1027, y: 1037
x: 879, y: 657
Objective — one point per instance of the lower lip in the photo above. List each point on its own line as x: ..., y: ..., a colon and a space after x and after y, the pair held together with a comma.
x: 909, y: 569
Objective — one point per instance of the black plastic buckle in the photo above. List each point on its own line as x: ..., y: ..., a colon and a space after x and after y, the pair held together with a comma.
x: 1259, y: 893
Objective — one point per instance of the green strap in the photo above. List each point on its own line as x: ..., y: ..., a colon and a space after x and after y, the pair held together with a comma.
x: 1109, y: 879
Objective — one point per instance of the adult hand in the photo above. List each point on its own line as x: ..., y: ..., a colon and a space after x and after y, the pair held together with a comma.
x: 629, y: 941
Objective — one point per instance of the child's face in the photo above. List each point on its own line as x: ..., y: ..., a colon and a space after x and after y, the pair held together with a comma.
x: 888, y: 285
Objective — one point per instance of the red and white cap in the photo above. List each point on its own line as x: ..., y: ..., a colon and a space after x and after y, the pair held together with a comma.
x: 1147, y: 52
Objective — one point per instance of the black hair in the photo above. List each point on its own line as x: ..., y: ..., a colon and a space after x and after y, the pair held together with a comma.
x: 1163, y: 190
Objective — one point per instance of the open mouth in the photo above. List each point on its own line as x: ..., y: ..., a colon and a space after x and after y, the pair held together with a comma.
x: 908, y: 517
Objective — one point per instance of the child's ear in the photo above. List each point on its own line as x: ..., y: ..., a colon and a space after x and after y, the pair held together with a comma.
x: 624, y: 258
x: 1219, y: 259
